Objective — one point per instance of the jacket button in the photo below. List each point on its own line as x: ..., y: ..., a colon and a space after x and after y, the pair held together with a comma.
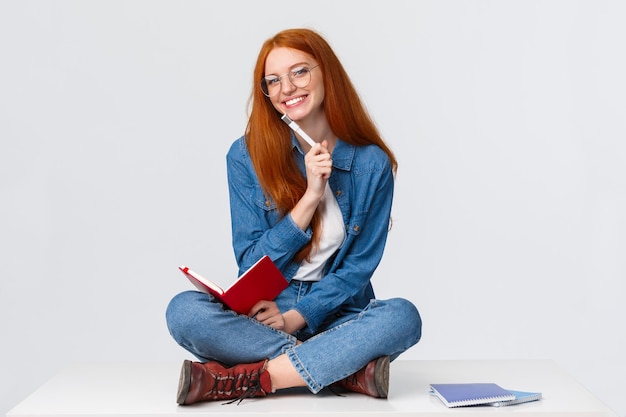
x: 338, y: 193
x: 267, y: 203
x: 355, y: 228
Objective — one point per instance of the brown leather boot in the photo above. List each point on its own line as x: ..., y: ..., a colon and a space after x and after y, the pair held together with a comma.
x: 213, y: 381
x: 373, y: 380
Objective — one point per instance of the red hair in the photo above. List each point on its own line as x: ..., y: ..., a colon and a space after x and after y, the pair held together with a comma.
x: 269, y: 139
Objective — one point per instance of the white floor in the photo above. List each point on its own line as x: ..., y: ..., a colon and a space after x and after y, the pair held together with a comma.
x: 147, y: 389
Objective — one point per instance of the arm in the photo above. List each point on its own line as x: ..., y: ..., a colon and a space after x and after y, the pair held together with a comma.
x: 258, y: 231
x: 257, y: 228
x: 318, y: 165
x: 348, y: 281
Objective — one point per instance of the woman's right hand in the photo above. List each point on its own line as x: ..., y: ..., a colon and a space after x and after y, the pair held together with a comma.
x: 318, y: 165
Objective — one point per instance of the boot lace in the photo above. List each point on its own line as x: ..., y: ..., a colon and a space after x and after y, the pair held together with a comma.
x: 226, y: 386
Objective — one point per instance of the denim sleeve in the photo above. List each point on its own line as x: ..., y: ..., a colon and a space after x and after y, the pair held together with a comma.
x: 348, y: 281
x: 257, y: 227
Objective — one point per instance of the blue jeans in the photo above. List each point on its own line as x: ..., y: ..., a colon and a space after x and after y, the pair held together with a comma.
x: 346, y: 343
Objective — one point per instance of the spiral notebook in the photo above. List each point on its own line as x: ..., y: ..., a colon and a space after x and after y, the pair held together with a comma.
x: 520, y: 397
x: 464, y: 394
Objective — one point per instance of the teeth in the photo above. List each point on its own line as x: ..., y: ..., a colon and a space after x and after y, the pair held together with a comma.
x: 294, y: 101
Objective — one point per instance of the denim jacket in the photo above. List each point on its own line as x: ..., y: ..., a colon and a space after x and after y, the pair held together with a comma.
x: 362, y: 182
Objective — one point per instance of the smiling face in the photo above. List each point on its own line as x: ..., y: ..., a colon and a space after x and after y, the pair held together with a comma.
x: 299, y: 103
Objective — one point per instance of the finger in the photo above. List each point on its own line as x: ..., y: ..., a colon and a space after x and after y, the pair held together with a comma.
x: 319, y: 149
x: 257, y: 308
x: 275, y: 322
x: 325, y: 145
x: 267, y: 318
x: 315, y: 149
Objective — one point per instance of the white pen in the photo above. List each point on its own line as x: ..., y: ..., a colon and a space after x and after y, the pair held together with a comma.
x: 294, y: 126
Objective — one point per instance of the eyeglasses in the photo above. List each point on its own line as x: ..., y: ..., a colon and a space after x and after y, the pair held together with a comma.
x: 299, y: 76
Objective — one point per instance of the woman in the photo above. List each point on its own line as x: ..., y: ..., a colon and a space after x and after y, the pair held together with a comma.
x: 322, y: 214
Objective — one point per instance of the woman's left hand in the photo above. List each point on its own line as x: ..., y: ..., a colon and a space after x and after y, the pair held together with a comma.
x: 267, y: 312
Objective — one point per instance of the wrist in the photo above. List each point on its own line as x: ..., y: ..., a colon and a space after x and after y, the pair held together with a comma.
x: 293, y: 321
x: 303, y: 211
x: 312, y: 197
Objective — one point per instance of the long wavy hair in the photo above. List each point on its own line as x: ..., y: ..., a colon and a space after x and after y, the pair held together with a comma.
x: 269, y: 139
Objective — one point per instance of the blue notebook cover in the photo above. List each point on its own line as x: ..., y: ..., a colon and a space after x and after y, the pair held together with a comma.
x: 459, y: 395
x: 520, y: 397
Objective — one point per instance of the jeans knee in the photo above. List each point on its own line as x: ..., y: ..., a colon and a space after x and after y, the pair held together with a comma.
x: 179, y: 313
x: 409, y: 316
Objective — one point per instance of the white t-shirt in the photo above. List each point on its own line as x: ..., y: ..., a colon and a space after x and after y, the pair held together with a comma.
x: 331, y: 239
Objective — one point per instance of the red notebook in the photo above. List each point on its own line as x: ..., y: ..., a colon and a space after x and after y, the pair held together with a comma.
x: 262, y: 281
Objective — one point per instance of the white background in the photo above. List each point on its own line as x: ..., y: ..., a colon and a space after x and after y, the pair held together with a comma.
x: 508, y: 119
